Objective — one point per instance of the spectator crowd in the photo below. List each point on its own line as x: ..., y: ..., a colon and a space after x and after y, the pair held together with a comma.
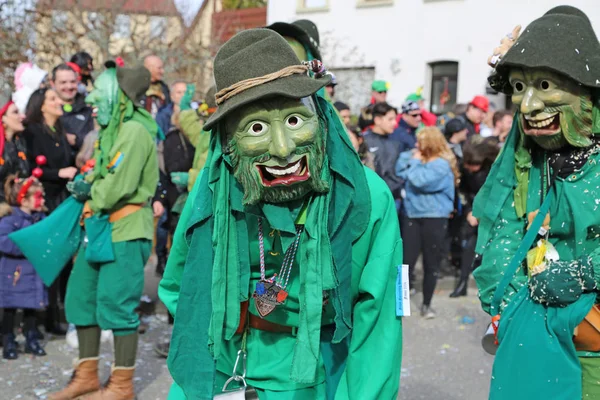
x: 48, y: 136
x: 434, y: 166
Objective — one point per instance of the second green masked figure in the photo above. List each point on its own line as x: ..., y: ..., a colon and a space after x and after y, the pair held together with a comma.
x: 284, y: 262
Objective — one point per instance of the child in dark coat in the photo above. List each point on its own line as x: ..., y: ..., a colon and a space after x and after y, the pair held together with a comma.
x: 20, y: 285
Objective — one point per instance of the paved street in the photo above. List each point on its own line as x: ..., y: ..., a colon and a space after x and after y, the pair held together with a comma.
x: 443, y: 358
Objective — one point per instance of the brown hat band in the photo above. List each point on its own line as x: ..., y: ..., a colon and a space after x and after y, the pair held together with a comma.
x: 246, y: 84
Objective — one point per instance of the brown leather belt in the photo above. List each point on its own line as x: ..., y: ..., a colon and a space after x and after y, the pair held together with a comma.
x: 121, y: 213
x: 264, y: 325
x: 587, y: 333
x: 255, y: 322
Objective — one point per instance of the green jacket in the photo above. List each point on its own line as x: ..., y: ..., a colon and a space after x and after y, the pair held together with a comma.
x: 191, y: 126
x: 375, y: 256
x: 132, y: 180
x: 574, y: 227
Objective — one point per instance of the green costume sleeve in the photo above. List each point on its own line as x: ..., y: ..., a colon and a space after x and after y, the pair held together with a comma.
x: 191, y: 125
x: 376, y: 326
x: 168, y: 289
x: 124, y: 184
x: 497, y: 254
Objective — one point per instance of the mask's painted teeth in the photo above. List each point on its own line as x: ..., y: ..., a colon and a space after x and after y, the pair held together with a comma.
x: 541, y: 123
x: 281, y: 172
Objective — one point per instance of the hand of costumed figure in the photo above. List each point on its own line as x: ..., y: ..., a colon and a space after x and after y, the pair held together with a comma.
x: 561, y: 283
x: 80, y: 189
x: 505, y: 44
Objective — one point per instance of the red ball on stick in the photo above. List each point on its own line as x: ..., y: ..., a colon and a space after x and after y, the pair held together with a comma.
x: 41, y: 160
x: 37, y: 172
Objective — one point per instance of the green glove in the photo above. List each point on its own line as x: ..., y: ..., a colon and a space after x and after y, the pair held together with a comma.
x: 180, y: 178
x: 186, y: 100
x: 562, y: 282
x: 80, y: 189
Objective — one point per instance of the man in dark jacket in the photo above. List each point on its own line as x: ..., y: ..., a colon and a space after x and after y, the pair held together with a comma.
x: 385, y: 150
x: 163, y: 117
x: 158, y: 95
x: 476, y: 111
x: 406, y: 132
x: 77, y: 118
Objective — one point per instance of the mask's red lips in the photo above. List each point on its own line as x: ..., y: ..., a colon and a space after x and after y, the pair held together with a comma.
x: 288, y: 175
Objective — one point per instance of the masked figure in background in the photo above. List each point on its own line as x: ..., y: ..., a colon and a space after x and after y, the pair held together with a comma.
x: 539, y: 232
x: 286, y: 254
x: 108, y: 277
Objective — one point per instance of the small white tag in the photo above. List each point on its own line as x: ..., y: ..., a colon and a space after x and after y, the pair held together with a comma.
x: 402, y: 292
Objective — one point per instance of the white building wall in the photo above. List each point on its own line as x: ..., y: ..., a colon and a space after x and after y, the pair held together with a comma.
x: 399, y: 40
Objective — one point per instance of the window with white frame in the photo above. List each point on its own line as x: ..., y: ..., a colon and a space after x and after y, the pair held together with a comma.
x: 122, y: 26
x: 373, y: 3
x: 158, y: 26
x: 444, y: 86
x: 312, y: 5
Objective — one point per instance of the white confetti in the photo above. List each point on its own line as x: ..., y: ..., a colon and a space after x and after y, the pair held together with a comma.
x: 577, y: 51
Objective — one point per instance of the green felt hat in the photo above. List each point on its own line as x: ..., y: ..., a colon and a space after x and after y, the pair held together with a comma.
x: 380, y: 86
x: 255, y: 53
x: 563, y: 41
x: 134, y: 82
x: 304, y: 31
x: 416, y: 97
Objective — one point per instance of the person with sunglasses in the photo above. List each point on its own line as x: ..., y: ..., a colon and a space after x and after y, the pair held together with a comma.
x: 406, y: 132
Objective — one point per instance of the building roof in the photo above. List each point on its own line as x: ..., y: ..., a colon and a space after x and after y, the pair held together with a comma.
x: 148, y: 7
x: 226, y: 24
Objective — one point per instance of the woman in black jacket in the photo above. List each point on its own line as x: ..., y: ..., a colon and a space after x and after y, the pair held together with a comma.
x: 479, y: 155
x: 45, y: 136
x: 13, y: 159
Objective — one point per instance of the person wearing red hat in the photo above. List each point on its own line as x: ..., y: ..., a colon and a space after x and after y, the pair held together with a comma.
x: 13, y: 153
x: 476, y: 111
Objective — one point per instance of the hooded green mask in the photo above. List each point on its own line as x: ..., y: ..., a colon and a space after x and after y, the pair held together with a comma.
x: 113, y: 108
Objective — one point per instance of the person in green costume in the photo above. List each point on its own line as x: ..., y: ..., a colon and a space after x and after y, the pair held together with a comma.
x: 302, y: 36
x: 192, y: 123
x: 539, y: 224
x: 108, y: 277
x: 285, y: 258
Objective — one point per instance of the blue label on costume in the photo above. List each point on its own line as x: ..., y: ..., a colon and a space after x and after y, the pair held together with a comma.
x: 402, y: 292
x: 115, y: 161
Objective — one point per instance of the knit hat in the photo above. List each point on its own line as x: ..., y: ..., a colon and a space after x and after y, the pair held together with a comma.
x: 304, y: 31
x: 341, y: 106
x: 380, y: 86
x: 237, y: 72
x: 453, y: 126
x: 410, y: 106
x: 562, y: 40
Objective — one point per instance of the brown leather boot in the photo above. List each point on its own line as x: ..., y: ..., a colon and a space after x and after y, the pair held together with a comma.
x: 83, y: 381
x: 119, y: 386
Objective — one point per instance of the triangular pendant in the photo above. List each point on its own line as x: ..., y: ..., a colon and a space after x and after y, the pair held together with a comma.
x: 262, y: 307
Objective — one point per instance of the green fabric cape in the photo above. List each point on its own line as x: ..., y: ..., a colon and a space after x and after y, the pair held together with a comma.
x: 217, y: 272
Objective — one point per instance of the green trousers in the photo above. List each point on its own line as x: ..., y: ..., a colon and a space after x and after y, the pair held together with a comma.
x: 107, y: 294
x: 590, y: 373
